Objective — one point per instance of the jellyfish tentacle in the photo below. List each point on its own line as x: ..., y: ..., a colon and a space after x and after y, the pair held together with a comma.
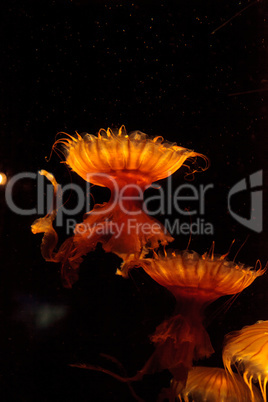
x: 68, y: 255
x: 45, y: 224
x: 127, y: 380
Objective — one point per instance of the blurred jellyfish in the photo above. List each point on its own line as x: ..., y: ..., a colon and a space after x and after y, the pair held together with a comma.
x: 212, y: 384
x: 247, y: 349
x: 195, y: 281
x: 127, y: 165
x: 3, y: 179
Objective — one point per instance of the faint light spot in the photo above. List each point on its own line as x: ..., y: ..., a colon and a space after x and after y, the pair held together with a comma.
x: 3, y: 179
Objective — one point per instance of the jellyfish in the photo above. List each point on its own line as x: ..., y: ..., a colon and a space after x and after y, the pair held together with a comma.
x: 126, y: 165
x: 247, y: 350
x: 212, y: 384
x: 195, y: 281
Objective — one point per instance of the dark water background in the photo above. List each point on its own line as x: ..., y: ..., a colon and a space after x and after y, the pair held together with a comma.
x: 155, y: 67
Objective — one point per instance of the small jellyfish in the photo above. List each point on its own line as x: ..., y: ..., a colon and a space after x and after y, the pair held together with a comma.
x: 127, y: 165
x: 212, y: 384
x: 195, y: 281
x: 247, y: 350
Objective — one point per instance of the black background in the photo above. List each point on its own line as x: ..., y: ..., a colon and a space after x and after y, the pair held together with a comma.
x: 157, y: 67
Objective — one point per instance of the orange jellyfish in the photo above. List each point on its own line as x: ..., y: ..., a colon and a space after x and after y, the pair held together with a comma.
x: 213, y: 384
x: 127, y: 165
x: 247, y: 350
x: 195, y: 281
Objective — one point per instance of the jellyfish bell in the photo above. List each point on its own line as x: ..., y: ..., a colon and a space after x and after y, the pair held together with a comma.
x: 127, y: 165
x: 186, y: 274
x: 195, y: 281
x: 247, y: 350
x: 122, y: 157
x: 213, y: 384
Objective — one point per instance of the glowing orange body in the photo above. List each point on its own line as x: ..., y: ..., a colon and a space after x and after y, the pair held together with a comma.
x: 213, y: 384
x: 195, y: 281
x: 121, y: 225
x: 127, y: 165
x: 248, y: 349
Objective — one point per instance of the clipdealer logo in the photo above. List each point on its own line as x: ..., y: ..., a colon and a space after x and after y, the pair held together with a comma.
x: 255, y: 222
x: 196, y: 196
